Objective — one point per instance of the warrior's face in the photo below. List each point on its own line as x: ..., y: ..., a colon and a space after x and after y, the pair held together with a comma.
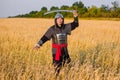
x: 59, y: 21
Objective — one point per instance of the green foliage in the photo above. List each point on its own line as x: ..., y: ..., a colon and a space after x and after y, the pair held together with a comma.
x: 102, y: 12
x: 54, y: 8
x: 43, y: 9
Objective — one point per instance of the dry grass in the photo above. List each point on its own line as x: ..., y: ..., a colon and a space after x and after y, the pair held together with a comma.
x: 94, y: 48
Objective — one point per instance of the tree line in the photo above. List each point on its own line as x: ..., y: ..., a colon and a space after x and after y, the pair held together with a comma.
x: 95, y: 12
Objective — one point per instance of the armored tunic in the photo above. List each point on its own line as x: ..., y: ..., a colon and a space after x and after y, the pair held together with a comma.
x: 59, y: 39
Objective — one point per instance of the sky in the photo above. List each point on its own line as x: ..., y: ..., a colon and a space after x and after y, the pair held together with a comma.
x: 16, y: 7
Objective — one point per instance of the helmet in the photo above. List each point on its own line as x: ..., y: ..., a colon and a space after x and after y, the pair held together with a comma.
x: 58, y: 15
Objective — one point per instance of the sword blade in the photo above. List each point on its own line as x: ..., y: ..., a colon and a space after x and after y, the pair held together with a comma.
x: 57, y: 11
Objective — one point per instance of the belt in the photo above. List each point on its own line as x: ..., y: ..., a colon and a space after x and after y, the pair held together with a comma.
x: 58, y: 52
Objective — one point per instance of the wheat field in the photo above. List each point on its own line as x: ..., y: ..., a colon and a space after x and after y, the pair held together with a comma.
x: 94, y: 48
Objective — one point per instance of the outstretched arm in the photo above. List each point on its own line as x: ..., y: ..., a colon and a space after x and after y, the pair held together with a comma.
x: 45, y: 38
x: 41, y: 42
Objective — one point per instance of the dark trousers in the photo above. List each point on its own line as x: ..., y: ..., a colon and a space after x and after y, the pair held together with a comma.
x: 59, y: 64
x: 64, y: 58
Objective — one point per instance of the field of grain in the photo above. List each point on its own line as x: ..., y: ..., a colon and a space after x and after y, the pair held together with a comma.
x: 94, y: 48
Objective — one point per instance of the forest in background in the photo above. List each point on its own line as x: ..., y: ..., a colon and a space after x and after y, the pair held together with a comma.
x: 84, y: 12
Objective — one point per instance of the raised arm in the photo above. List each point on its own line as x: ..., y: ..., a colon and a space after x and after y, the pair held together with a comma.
x: 75, y: 23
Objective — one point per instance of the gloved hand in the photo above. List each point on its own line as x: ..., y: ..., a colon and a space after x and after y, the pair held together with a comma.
x: 37, y: 46
x: 75, y: 13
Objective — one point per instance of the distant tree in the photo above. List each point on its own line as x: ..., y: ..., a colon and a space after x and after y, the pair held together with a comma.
x: 115, y: 9
x: 43, y: 9
x: 104, y: 8
x: 115, y: 4
x: 103, y: 11
x: 92, y: 12
x: 33, y: 12
x: 65, y: 7
x: 54, y: 8
x: 77, y: 5
x: 80, y: 7
x: 41, y: 13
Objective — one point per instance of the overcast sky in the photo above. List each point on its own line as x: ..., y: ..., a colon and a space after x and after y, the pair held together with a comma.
x: 15, y: 7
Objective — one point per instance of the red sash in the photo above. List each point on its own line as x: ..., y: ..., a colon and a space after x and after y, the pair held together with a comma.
x: 58, y: 52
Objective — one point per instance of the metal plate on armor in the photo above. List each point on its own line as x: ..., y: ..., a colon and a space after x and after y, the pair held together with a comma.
x: 61, y: 38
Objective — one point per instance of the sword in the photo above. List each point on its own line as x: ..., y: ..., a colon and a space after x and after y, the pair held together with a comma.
x: 57, y: 11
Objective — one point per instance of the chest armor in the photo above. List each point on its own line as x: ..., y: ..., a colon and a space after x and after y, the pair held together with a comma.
x: 61, y: 38
x: 60, y: 35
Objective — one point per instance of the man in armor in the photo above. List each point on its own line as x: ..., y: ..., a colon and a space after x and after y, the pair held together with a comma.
x: 58, y: 33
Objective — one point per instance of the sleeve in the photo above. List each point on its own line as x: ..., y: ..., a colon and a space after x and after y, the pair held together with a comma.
x: 71, y: 26
x: 47, y: 36
x: 42, y: 40
x: 68, y: 28
x: 49, y: 33
x: 75, y: 23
